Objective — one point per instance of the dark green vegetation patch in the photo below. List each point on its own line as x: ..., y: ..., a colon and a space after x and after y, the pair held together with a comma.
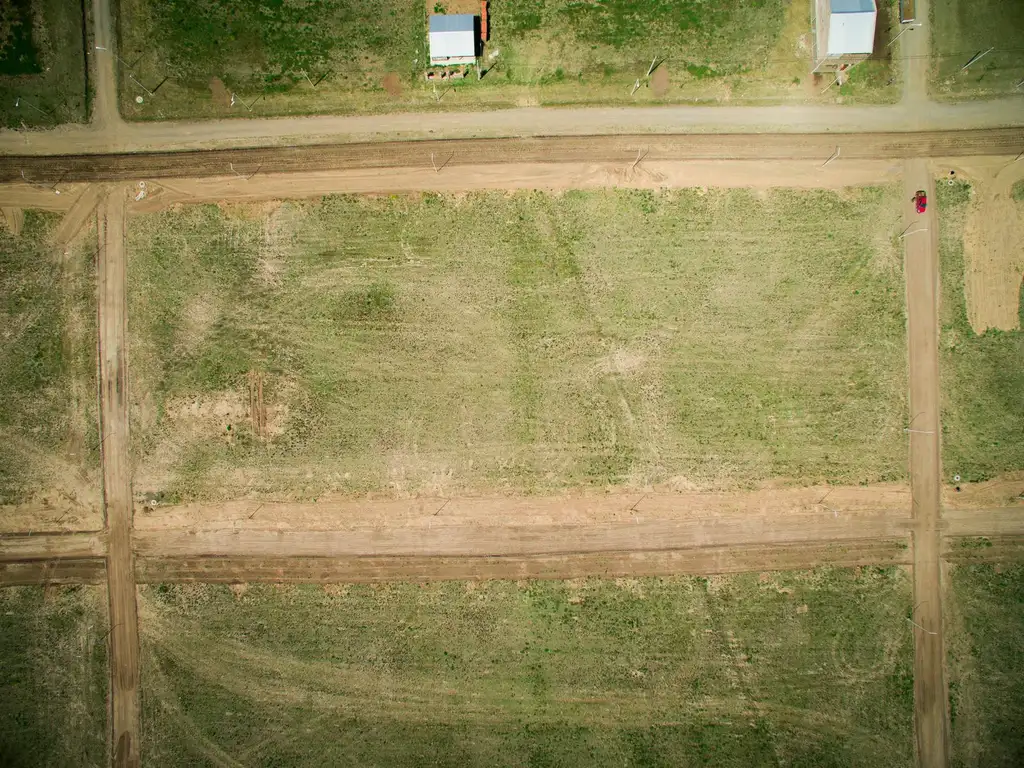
x: 43, y: 78
x: 962, y: 29
x: 53, y: 677
x: 800, y: 668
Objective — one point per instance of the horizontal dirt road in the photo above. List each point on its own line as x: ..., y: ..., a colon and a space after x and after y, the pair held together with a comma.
x: 451, y: 153
x: 526, y: 121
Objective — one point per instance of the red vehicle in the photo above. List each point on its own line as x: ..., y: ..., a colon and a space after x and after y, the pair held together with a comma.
x: 921, y: 201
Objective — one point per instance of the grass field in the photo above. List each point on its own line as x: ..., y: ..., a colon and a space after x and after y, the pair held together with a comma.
x: 42, y: 63
x: 48, y: 432
x: 961, y: 29
x: 982, y: 376
x: 644, y: 672
x: 53, y: 674
x: 351, y: 57
x: 520, y: 342
x: 986, y: 664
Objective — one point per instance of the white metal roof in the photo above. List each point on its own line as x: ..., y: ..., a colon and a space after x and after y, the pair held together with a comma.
x: 452, y: 36
x: 851, y: 27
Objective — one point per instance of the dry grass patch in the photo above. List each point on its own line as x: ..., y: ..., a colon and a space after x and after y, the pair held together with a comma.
x: 809, y: 668
x: 521, y: 342
x: 49, y: 447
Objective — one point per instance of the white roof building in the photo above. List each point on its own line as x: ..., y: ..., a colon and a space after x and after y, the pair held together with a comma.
x: 453, y: 39
x: 844, y: 28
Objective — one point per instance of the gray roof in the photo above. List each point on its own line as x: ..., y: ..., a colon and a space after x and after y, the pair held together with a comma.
x: 852, y: 6
x: 458, y: 22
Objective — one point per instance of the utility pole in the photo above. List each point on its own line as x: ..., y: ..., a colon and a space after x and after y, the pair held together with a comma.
x: 975, y: 58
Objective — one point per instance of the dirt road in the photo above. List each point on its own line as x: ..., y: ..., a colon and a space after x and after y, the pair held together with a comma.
x: 702, y: 562
x: 533, y: 121
x: 117, y: 492
x: 106, y: 119
x: 922, y: 285
x: 621, y: 150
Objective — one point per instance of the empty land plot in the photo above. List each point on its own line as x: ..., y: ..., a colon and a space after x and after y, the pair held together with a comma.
x: 43, y: 78
x: 982, y: 375
x: 517, y: 342
x: 53, y: 673
x: 960, y: 30
x: 49, y: 447
x: 239, y: 57
x: 986, y: 618
x: 807, y: 668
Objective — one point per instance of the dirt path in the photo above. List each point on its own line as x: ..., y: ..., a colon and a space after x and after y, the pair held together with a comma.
x: 701, y: 562
x: 450, y: 155
x: 124, y: 634
x: 106, y: 119
x: 77, y: 215
x: 746, y: 174
x: 914, y: 49
x: 922, y: 281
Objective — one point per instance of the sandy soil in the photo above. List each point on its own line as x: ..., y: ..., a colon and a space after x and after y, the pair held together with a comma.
x: 801, y: 174
x: 80, y: 212
x: 994, y: 247
x: 565, y: 510
x: 113, y: 319
x: 41, y: 546
x: 922, y: 284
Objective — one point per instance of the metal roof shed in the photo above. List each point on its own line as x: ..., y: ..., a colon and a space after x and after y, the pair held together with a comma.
x: 851, y: 27
x: 453, y: 39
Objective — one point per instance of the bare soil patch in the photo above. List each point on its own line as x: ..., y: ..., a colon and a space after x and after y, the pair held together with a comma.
x: 993, y: 256
x: 659, y: 81
x: 392, y: 84
x: 221, y: 95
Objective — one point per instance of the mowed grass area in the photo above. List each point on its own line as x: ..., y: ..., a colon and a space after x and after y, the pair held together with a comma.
x: 811, y: 668
x: 518, y: 342
x: 48, y: 429
x: 982, y: 376
x: 351, y: 57
x: 986, y: 663
x: 43, y: 63
x: 53, y: 674
x: 963, y: 28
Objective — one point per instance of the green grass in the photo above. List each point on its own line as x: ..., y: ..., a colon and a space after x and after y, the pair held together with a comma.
x: 42, y: 64
x: 53, y: 673
x: 987, y: 664
x: 799, y: 668
x: 1017, y: 191
x: 982, y: 376
x: 48, y: 433
x: 548, y: 52
x: 522, y: 342
x: 962, y: 28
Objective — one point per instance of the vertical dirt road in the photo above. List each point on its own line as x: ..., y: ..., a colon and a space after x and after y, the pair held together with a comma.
x: 117, y: 493
x: 105, y: 116
x: 913, y: 49
x: 922, y: 278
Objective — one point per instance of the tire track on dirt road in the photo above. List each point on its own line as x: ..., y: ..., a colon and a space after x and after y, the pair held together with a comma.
x: 621, y: 149
x: 920, y: 237
x: 117, y: 492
